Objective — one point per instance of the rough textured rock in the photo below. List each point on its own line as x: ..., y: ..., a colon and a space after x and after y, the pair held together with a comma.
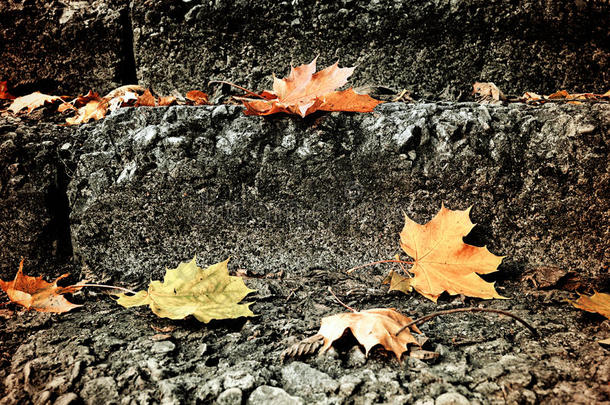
x: 152, y: 187
x: 65, y: 47
x: 33, y: 202
x: 433, y: 48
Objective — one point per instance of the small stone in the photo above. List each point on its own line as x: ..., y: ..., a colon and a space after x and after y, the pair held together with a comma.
x: 163, y: 347
x: 66, y: 399
x: 42, y: 398
x: 266, y: 395
x: 355, y: 357
x: 451, y: 398
x: 100, y: 391
x: 239, y: 379
x: 232, y: 396
x: 302, y: 378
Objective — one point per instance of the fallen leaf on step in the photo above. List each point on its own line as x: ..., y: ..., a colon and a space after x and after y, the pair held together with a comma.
x: 4, y: 94
x: 32, y: 101
x: 197, y: 97
x: 305, y: 91
x: 487, y: 93
x: 190, y: 290
x: 598, y: 302
x: 371, y: 328
x: 442, y: 261
x: 37, y: 294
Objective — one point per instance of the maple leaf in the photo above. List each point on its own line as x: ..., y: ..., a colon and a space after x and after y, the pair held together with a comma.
x: 197, y: 97
x: 189, y: 290
x: 167, y: 100
x: 371, y: 327
x: 146, y: 99
x: 37, y: 294
x: 598, y: 302
x: 442, y: 261
x: 304, y: 91
x: 4, y: 94
x: 487, y: 93
x: 31, y: 102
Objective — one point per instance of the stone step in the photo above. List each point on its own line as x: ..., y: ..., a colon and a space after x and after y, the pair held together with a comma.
x: 155, y: 186
x: 434, y: 48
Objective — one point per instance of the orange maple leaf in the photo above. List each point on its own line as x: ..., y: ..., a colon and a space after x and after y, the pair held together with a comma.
x: 442, y: 261
x: 37, y: 294
x: 598, y: 302
x: 146, y: 99
x: 197, y: 97
x: 32, y: 101
x: 304, y: 91
x: 4, y: 94
x: 371, y: 328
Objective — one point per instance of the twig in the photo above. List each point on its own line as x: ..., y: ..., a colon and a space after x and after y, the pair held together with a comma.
x: 378, y: 262
x: 426, y: 318
x: 237, y: 87
x: 106, y: 286
x: 341, y: 302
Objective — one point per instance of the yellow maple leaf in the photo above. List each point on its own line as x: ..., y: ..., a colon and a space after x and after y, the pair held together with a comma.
x: 442, y: 261
x: 598, y: 302
x: 190, y: 290
x: 371, y: 328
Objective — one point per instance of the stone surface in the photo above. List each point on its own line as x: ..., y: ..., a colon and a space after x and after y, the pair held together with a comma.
x: 433, y: 48
x: 153, y: 187
x: 33, y: 203
x: 65, y: 47
x: 232, y: 396
x: 305, y: 380
x: 266, y: 395
x: 451, y: 398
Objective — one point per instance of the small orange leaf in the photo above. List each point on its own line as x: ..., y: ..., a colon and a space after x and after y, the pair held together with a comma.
x: 559, y: 94
x: 93, y: 110
x: 371, y: 328
x: 168, y: 100
x: 197, y: 97
x: 146, y: 100
x: 35, y: 293
x: 598, y: 302
x: 4, y: 94
x: 32, y: 101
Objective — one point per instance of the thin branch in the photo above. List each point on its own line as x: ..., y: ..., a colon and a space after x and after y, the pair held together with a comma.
x: 107, y: 286
x: 426, y: 318
x: 378, y: 262
x: 341, y: 302
x: 237, y: 87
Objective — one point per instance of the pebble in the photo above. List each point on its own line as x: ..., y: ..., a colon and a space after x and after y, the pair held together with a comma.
x: 163, y: 347
x: 451, y: 398
x: 266, y: 395
x: 232, y: 396
x: 66, y: 399
x: 300, y: 377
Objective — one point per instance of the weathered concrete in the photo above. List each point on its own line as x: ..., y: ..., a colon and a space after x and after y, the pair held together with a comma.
x: 435, y: 48
x: 33, y: 203
x: 153, y: 187
x: 65, y: 47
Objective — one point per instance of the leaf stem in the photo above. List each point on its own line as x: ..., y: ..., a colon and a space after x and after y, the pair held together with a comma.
x: 106, y: 286
x: 341, y: 302
x: 237, y: 87
x: 426, y: 318
x: 378, y: 262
